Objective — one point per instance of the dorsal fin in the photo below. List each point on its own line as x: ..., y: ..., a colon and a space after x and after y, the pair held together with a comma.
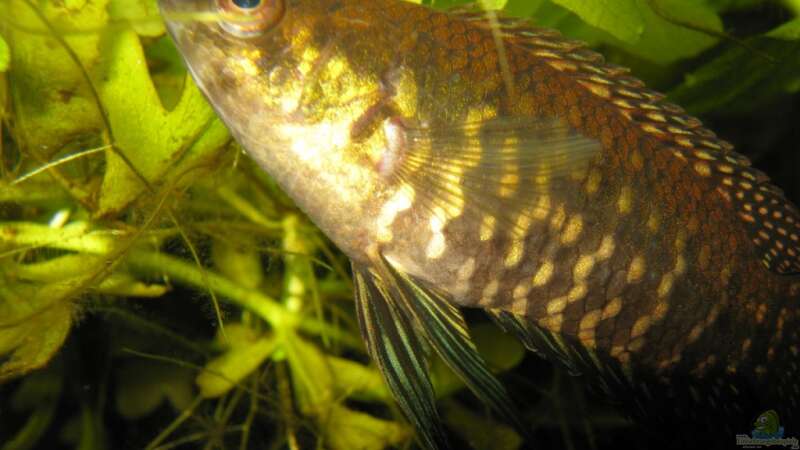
x: 771, y: 221
x: 663, y: 120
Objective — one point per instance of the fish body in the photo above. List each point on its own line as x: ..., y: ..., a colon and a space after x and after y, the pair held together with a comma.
x: 461, y: 162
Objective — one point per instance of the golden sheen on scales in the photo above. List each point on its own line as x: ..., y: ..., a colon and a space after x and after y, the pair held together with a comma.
x: 462, y: 162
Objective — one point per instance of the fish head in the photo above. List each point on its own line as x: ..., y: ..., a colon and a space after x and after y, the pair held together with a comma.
x: 246, y: 55
x: 278, y: 74
x: 767, y: 422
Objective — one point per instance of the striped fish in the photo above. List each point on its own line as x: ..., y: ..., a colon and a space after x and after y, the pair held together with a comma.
x: 462, y: 163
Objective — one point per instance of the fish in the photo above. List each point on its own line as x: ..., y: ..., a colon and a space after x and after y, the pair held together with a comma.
x: 768, y: 425
x: 462, y: 162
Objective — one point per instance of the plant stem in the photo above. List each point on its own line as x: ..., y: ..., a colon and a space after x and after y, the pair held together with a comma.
x: 154, y: 263
x: 159, y: 263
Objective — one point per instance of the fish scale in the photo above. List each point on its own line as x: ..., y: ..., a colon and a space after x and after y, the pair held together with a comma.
x: 604, y: 227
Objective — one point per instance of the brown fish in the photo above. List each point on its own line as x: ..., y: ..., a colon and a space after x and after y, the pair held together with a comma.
x: 506, y: 168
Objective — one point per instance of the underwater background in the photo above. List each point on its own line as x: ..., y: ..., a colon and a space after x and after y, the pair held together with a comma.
x: 158, y: 291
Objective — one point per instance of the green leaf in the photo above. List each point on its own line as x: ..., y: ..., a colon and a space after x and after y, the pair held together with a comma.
x: 493, y: 4
x: 76, y: 265
x: 321, y: 381
x: 789, y: 31
x: 358, y: 380
x: 51, y: 100
x: 5, y: 55
x: 623, y: 19
x: 486, y: 4
x: 152, y: 138
x: 792, y: 5
x: 658, y: 30
x: 75, y: 236
x: 141, y: 14
x: 239, y: 261
x: 142, y: 386
x: 124, y: 285
x: 346, y: 429
x: 167, y: 70
x: 312, y: 374
x: 56, y: 269
x: 741, y: 79
x: 29, y: 338
x: 522, y: 8
x: 334, y: 376
x: 501, y: 351
x: 247, y: 351
x: 36, y: 304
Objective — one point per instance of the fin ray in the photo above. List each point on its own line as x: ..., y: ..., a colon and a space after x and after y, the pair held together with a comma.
x: 499, y: 166
x: 576, y: 358
x: 398, y: 316
x: 771, y: 221
x: 393, y: 344
x: 447, y: 330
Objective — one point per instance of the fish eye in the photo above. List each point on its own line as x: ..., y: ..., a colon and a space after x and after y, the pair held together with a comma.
x: 247, y: 4
x: 248, y: 18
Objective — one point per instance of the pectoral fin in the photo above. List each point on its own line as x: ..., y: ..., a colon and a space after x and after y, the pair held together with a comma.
x: 500, y: 166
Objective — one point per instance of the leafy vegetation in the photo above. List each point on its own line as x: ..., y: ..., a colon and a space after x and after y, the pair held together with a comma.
x: 157, y: 290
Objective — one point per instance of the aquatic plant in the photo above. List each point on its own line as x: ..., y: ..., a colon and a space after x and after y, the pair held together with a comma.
x: 157, y: 289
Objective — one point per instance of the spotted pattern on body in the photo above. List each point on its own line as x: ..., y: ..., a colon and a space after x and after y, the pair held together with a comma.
x: 621, y: 236
x: 646, y: 255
